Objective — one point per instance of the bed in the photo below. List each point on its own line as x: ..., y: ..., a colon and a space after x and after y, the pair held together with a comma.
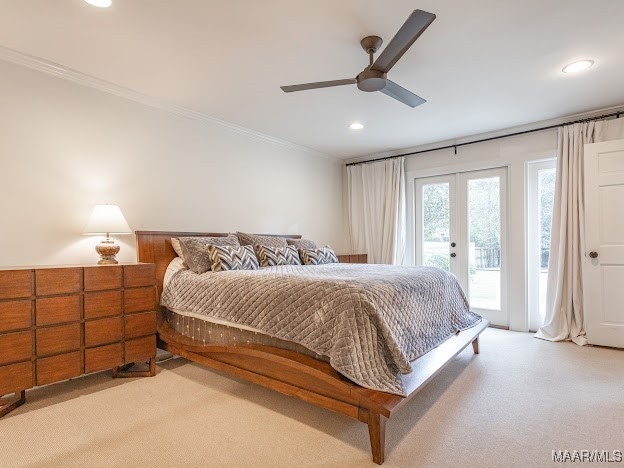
x: 289, y: 368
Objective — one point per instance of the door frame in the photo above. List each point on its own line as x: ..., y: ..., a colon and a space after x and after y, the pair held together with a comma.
x: 458, y: 183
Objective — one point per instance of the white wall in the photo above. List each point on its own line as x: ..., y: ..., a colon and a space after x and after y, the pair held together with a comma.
x: 65, y: 147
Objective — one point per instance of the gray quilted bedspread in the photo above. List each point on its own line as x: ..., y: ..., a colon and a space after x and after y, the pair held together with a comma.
x: 369, y: 320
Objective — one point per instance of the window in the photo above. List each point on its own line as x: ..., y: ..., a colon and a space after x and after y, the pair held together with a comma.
x: 540, y: 194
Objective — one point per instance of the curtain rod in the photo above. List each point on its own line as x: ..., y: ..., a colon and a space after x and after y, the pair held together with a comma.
x: 588, y: 119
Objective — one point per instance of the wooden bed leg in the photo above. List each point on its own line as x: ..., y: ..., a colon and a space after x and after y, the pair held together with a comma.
x: 475, y: 345
x: 18, y: 400
x: 377, y: 433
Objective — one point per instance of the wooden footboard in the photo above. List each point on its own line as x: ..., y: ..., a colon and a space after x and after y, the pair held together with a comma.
x: 316, y: 381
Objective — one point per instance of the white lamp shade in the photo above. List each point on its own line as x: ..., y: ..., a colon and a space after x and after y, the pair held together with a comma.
x: 107, y: 219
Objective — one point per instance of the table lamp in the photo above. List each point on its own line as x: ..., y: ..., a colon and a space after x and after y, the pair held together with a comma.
x: 107, y: 219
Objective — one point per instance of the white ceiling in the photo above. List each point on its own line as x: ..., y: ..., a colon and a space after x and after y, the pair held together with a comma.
x: 482, y: 65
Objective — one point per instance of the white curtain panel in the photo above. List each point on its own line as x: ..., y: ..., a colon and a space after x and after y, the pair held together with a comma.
x: 376, y: 194
x: 564, y: 299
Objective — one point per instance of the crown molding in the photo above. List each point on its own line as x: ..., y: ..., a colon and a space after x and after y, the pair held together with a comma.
x: 479, y: 136
x: 66, y: 73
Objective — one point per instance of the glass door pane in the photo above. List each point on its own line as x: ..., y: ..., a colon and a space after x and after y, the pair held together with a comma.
x: 545, y: 199
x: 484, y: 237
x: 540, y: 198
x: 436, y: 224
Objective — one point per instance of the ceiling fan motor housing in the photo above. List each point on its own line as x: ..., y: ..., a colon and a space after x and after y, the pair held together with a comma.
x: 371, y: 80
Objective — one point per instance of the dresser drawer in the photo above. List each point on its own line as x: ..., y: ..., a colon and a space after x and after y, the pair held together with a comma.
x: 16, y: 377
x: 140, y: 324
x: 15, y: 347
x: 139, y: 275
x: 15, y: 284
x: 139, y: 300
x: 103, y: 357
x: 103, y: 331
x: 56, y: 368
x: 58, y: 281
x: 99, y: 278
x: 54, y: 340
x: 15, y: 315
x: 140, y: 349
x: 103, y: 304
x: 53, y: 310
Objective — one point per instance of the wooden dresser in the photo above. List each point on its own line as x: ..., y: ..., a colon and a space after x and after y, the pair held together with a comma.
x: 57, y: 323
x: 352, y: 258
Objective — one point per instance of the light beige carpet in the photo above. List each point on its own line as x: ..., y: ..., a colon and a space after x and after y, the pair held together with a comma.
x: 510, y: 406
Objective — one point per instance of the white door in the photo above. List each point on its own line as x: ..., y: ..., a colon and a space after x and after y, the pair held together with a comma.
x: 603, y: 273
x: 460, y: 227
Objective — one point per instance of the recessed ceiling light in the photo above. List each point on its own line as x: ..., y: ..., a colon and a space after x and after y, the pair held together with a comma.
x: 577, y: 66
x: 356, y: 126
x: 100, y: 3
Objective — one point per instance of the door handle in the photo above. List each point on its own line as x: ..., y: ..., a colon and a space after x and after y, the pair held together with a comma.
x: 453, y: 244
x: 593, y: 254
x: 453, y: 255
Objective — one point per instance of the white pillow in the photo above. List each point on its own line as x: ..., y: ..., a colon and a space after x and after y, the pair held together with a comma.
x: 175, y: 243
x: 175, y: 265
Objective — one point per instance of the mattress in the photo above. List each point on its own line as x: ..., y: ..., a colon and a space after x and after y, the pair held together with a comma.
x: 203, y: 330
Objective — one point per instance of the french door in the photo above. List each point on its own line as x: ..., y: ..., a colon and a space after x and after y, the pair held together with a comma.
x: 461, y: 227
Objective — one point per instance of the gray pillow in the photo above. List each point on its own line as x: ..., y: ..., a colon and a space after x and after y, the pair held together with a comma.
x: 302, y: 243
x: 195, y: 252
x: 253, y: 239
x: 224, y: 258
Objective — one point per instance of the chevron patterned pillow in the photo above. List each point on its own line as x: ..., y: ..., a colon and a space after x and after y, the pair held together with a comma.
x: 272, y: 256
x: 224, y: 258
x: 318, y: 256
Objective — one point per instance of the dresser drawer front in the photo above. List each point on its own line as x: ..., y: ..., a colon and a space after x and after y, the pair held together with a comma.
x: 140, y: 324
x: 58, y: 281
x: 55, y: 340
x: 139, y: 275
x: 103, y: 357
x: 15, y: 284
x: 57, y: 368
x: 15, y: 347
x: 54, y: 310
x: 103, y: 304
x: 98, y: 332
x: 15, y: 315
x: 16, y: 377
x: 99, y: 278
x: 139, y: 300
x: 140, y: 349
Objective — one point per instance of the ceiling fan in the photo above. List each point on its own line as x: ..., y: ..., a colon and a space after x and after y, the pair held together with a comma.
x: 374, y: 77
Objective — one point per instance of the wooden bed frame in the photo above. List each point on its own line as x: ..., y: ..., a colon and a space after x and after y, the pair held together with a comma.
x: 295, y: 374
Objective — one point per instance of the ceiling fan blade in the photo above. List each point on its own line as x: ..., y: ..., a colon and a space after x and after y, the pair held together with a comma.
x: 411, y: 30
x: 401, y: 94
x: 320, y: 84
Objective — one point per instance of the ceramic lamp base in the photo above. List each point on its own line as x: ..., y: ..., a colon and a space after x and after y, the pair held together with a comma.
x: 107, y: 250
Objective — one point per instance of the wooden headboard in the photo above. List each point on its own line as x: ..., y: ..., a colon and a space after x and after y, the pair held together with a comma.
x: 155, y: 247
